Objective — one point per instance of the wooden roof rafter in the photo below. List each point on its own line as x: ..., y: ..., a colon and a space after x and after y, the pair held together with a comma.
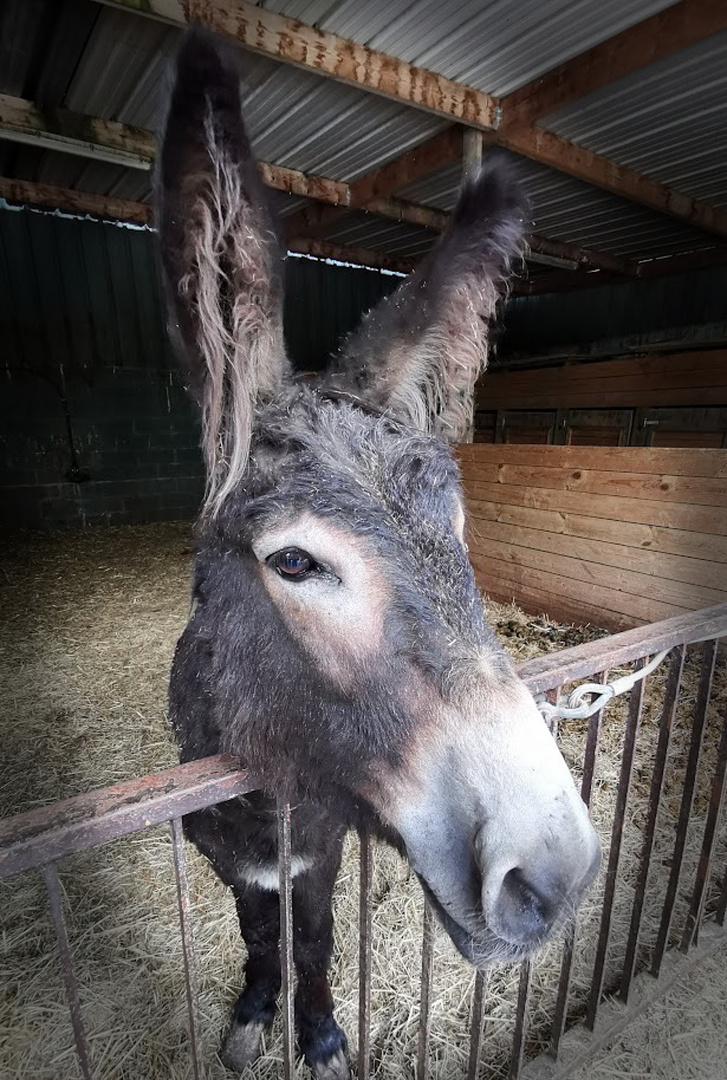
x: 108, y: 207
x: 664, y: 34
x: 304, y: 46
x: 290, y: 41
x: 94, y: 137
x: 139, y: 213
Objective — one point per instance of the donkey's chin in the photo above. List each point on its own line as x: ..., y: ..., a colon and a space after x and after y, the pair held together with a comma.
x: 484, y: 946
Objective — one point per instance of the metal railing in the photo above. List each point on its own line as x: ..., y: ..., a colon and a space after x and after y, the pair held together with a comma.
x: 40, y: 838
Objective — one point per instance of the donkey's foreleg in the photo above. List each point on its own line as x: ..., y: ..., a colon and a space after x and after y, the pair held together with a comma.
x: 321, y: 1040
x: 220, y: 833
x: 259, y: 914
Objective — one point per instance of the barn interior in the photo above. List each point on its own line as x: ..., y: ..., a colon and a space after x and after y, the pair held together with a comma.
x: 596, y: 478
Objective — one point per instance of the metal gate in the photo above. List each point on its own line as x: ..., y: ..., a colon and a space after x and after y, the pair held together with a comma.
x: 41, y: 837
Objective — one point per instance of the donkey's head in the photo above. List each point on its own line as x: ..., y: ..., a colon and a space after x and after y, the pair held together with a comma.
x: 351, y: 656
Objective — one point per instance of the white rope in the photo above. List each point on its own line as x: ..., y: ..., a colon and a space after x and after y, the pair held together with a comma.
x: 576, y: 707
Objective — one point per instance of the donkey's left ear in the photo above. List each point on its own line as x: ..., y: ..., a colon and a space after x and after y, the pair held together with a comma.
x: 221, y: 258
x: 418, y: 353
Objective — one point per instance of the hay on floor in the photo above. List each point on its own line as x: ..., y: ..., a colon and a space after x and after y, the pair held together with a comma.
x: 90, y: 622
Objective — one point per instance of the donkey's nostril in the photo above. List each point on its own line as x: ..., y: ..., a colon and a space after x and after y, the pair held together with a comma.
x: 524, y: 915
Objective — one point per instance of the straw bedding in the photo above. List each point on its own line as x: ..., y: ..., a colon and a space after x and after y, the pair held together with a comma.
x: 89, y: 624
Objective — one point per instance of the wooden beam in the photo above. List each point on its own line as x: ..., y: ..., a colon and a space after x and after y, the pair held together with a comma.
x: 327, y: 54
x: 294, y: 42
x: 91, y: 135
x: 82, y: 202
x: 662, y: 35
x: 582, y: 257
x: 321, y: 249
x: 569, y: 281
x: 321, y: 188
x: 106, y: 207
x: 400, y: 210
x: 76, y: 202
x: 549, y: 149
x: 417, y: 163
x: 102, y: 206
x: 73, y: 133
x: 316, y: 220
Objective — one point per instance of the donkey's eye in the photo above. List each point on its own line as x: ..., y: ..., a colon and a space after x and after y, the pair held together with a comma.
x: 293, y: 563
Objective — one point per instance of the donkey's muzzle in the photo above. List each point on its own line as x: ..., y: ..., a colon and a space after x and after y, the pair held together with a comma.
x: 524, y: 904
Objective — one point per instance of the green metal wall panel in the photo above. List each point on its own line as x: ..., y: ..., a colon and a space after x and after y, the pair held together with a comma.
x: 83, y: 347
x: 681, y: 309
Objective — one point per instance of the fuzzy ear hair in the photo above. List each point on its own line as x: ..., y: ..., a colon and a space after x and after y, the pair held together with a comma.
x: 221, y: 258
x: 418, y: 353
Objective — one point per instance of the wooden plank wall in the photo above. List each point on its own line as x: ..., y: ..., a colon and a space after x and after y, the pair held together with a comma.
x: 613, y: 536
x: 688, y: 378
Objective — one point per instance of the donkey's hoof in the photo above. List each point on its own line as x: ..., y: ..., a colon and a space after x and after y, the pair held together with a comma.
x: 335, y: 1068
x: 242, y: 1045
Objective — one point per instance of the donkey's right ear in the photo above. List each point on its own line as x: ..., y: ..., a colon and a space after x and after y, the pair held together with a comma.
x: 221, y: 258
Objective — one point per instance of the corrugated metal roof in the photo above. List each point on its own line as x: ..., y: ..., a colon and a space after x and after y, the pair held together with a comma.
x: 496, y: 46
x: 567, y: 209
x: 390, y: 237
x: 100, y: 61
x: 295, y: 118
x: 668, y: 120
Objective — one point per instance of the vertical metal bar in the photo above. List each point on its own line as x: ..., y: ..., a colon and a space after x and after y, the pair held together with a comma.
x: 52, y: 884
x: 364, y: 955
x: 478, y: 998
x: 636, y: 699
x: 285, y: 884
x: 425, y: 995
x: 560, y: 1015
x: 190, y: 966
x: 722, y: 905
x: 668, y: 712
x: 518, y: 1041
x: 704, y: 868
x: 690, y: 777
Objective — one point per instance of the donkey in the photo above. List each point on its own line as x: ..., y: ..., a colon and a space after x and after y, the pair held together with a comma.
x: 338, y: 645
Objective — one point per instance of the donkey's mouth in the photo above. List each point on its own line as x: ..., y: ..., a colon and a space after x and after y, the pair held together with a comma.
x: 480, y: 948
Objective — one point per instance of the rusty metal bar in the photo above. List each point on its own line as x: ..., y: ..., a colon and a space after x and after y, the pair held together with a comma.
x: 50, y: 873
x: 285, y: 884
x: 478, y: 1000
x: 593, y: 738
x: 704, y: 869
x: 190, y: 965
x: 636, y: 699
x: 668, y: 712
x: 45, y: 835
x: 722, y: 904
x: 425, y: 995
x: 685, y: 812
x: 518, y: 1039
x: 560, y: 1015
x: 364, y: 954
x: 544, y: 672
